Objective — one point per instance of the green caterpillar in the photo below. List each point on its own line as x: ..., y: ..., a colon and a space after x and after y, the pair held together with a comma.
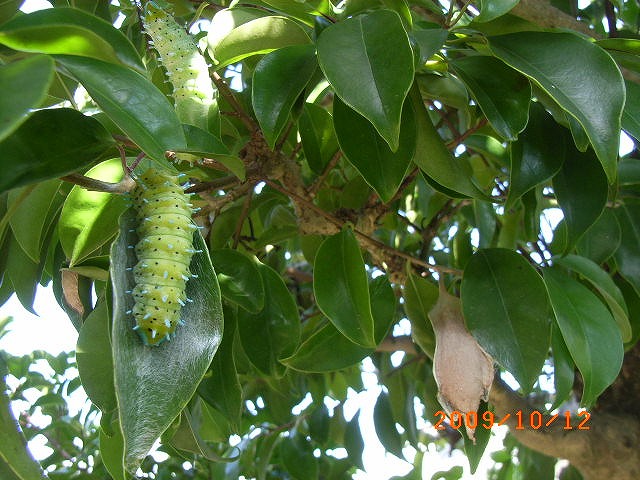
x: 193, y: 91
x: 164, y: 251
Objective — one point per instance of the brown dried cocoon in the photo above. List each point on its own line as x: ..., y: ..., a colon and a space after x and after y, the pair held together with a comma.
x: 462, y: 369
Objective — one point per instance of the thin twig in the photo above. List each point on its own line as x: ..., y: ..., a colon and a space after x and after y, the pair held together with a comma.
x: 367, y: 240
x: 243, y: 215
x: 313, y: 189
x: 123, y: 186
x: 228, y: 95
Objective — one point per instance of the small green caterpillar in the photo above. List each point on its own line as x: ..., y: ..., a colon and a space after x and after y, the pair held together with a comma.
x: 193, y: 91
x: 164, y: 251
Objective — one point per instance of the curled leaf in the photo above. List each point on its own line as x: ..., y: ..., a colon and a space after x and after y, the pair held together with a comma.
x: 462, y: 369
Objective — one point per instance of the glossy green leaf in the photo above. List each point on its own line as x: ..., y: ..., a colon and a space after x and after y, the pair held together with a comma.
x: 24, y: 86
x: 492, y: 9
x: 629, y: 171
x: 475, y: 450
x: 239, y: 279
x: 537, y: 155
x: 70, y: 31
x: 385, y: 426
x: 302, y: 10
x: 327, y: 349
x: 319, y: 141
x: 278, y: 80
x: 581, y: 189
x: 369, y: 62
x: 505, y: 306
x: 563, y: 367
x: 542, y: 57
x: 273, y: 333
x: 112, y: 453
x: 220, y: 386
x: 15, y: 459
x: 631, y: 113
x: 95, y: 362
x: 420, y: 295
x: 50, y: 144
x: 34, y: 215
x: 353, y: 441
x: 203, y: 144
x: 368, y: 152
x: 141, y: 386
x: 603, y: 283
x: 340, y: 287
x: 628, y: 252
x: 297, y: 456
x: 258, y: 36
x: 8, y: 8
x: 602, y: 238
x: 502, y: 93
x: 589, y: 331
x: 132, y: 102
x: 433, y: 157
x: 89, y: 219
x: 429, y: 41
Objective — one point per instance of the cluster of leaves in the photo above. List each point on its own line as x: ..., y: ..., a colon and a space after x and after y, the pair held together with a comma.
x: 427, y: 138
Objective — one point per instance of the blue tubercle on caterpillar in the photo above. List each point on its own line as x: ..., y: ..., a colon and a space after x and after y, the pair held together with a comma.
x: 164, y: 251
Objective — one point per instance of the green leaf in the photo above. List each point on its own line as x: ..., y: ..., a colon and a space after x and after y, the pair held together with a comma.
x: 70, y: 31
x: 89, y: 219
x: 95, y: 362
x: 319, y: 141
x: 628, y: 252
x: 340, y: 287
x: 628, y: 171
x: 506, y: 308
x: 15, y: 458
x: 220, y: 386
x: 297, y: 456
x: 501, y: 92
x: 420, y: 295
x: 112, y: 452
x: 602, y: 238
x: 8, y: 8
x: 433, y: 157
x: 581, y: 189
x: 50, y: 144
x: 33, y: 216
x: 204, y: 144
x: 475, y: 450
x: 24, y: 85
x: 492, y: 9
x: 631, y: 113
x: 239, y: 279
x: 542, y: 56
x: 278, y: 80
x: 368, y: 152
x: 327, y: 349
x: 141, y: 386
x: 132, y: 102
x: 537, y: 155
x: 429, y: 41
x: 262, y: 35
x: 385, y: 426
x: 563, y: 367
x: 589, y: 331
x: 274, y: 332
x: 605, y: 286
x: 369, y: 62
x: 353, y: 441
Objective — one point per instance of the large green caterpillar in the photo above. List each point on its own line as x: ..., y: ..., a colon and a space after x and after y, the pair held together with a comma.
x: 164, y: 251
x: 193, y: 91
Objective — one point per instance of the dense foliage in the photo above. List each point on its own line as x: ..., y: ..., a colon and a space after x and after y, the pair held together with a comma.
x: 344, y: 158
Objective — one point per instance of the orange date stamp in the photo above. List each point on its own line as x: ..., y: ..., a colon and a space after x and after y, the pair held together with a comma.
x: 533, y: 420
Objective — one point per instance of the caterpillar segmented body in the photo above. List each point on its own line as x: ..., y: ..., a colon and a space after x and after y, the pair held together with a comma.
x: 164, y: 251
x: 193, y: 91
